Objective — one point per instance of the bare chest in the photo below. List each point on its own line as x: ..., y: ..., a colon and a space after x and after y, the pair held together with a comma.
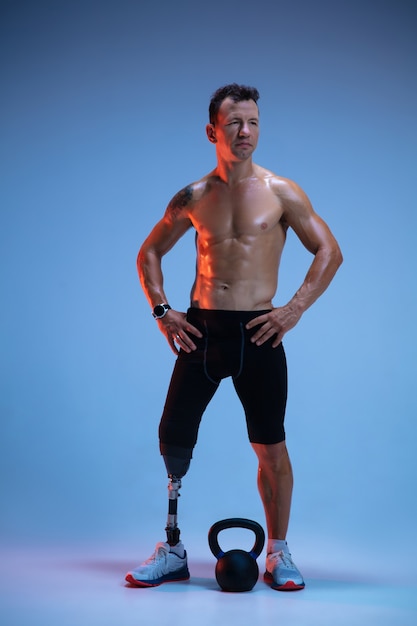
x: 246, y: 210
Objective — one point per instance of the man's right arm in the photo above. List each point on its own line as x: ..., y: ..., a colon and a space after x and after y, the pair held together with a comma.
x: 161, y: 239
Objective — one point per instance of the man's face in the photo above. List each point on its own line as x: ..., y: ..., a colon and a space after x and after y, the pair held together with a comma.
x: 236, y: 130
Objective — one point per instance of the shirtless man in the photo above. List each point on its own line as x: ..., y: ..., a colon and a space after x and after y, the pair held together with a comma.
x: 240, y: 212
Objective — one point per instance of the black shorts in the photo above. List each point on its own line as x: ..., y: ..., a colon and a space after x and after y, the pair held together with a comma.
x: 259, y: 375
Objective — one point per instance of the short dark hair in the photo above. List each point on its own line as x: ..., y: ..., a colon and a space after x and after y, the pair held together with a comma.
x: 234, y: 91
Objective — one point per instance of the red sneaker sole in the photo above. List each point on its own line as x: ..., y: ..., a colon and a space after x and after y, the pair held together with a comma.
x: 288, y: 586
x: 139, y: 583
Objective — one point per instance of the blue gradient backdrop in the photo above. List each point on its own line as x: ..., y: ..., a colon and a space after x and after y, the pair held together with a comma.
x: 103, y: 111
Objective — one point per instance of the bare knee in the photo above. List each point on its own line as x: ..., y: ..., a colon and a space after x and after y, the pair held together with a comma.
x: 273, y: 457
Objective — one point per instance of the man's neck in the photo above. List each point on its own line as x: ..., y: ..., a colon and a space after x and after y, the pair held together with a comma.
x: 232, y: 172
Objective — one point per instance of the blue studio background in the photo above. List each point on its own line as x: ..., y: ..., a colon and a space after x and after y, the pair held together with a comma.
x: 103, y: 114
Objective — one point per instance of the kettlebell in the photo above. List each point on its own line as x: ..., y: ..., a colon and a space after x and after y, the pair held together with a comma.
x: 236, y: 570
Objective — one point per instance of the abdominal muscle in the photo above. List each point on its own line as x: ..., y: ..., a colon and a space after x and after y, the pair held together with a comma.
x: 237, y: 274
x: 238, y: 295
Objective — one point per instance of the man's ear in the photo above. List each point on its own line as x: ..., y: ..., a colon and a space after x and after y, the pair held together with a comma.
x: 211, y: 133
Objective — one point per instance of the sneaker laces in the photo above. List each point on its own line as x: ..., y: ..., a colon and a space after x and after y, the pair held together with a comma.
x: 284, y: 557
x: 159, y: 555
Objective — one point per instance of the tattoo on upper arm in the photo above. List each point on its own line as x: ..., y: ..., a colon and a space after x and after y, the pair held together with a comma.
x: 180, y: 201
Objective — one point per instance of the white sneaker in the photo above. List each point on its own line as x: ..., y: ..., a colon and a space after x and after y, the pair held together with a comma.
x: 163, y: 566
x: 282, y: 573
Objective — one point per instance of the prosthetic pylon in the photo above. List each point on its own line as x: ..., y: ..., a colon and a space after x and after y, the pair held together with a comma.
x: 172, y: 530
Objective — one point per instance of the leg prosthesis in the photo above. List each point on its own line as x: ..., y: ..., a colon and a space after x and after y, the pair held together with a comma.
x: 177, y: 461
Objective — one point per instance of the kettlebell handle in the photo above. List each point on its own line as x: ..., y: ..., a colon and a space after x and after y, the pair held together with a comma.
x: 236, y: 522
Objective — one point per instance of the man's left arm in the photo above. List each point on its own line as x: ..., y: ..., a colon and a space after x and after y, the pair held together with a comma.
x: 316, y: 236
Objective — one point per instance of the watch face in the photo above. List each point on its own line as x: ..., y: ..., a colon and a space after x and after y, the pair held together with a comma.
x: 159, y: 310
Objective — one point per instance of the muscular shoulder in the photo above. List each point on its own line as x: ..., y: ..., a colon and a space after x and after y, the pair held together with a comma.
x: 184, y: 200
x: 291, y: 195
x: 282, y: 187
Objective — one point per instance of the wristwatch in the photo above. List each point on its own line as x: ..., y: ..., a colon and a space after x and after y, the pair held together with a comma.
x: 160, y: 310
